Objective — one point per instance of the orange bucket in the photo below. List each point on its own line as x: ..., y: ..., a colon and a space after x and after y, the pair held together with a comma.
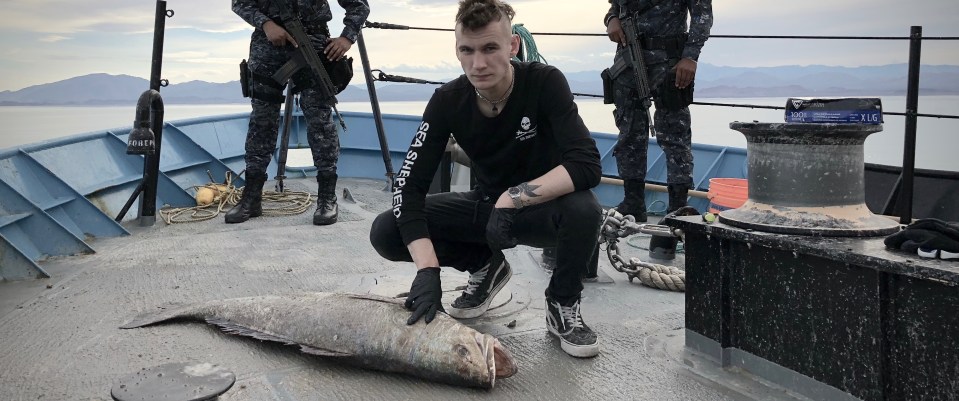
x: 727, y: 193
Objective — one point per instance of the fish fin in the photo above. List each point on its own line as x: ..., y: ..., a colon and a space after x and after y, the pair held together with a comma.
x: 167, y: 312
x: 233, y: 328
x: 377, y: 298
x: 322, y: 352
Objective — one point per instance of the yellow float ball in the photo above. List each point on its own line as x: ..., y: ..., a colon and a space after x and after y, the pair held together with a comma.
x: 204, y: 196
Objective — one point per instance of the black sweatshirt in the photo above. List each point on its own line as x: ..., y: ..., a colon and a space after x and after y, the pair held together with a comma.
x: 538, y: 129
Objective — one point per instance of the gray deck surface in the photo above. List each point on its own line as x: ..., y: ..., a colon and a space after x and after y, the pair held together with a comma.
x: 60, y: 339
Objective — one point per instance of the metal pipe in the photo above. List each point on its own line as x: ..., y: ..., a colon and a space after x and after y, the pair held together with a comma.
x: 150, y: 111
x: 151, y: 162
x: 654, y: 187
x: 159, y: 28
x: 126, y: 206
x: 912, y: 106
x: 377, y: 116
x: 284, y: 146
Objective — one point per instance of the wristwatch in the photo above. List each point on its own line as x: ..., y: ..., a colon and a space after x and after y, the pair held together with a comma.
x: 514, y: 193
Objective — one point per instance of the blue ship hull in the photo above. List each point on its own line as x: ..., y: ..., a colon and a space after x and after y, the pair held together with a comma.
x: 58, y: 195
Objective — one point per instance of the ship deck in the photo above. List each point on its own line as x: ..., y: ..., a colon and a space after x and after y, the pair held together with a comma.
x: 61, y: 339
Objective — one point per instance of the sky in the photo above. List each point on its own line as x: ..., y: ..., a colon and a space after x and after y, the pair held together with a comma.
x: 44, y: 41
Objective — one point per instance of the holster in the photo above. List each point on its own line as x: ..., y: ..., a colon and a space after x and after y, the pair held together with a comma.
x: 258, y: 86
x: 609, y: 76
x: 607, y: 86
x: 671, y: 97
x: 245, y: 78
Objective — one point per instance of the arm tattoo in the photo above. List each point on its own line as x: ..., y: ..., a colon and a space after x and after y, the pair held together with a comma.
x: 530, y: 191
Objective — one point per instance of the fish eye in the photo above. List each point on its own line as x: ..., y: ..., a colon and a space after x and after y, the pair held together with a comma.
x: 461, y: 350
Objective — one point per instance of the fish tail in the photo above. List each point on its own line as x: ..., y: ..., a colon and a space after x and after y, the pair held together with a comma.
x: 167, y: 312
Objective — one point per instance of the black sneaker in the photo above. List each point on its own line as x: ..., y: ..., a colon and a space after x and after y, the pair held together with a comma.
x: 566, y: 322
x: 481, y: 288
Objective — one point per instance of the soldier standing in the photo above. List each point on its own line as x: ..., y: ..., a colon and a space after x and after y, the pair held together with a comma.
x: 271, y: 46
x: 669, y: 51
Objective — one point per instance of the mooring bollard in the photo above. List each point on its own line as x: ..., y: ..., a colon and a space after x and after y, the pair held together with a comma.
x: 807, y: 179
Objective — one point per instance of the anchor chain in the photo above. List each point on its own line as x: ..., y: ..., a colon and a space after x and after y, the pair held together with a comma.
x: 616, y: 226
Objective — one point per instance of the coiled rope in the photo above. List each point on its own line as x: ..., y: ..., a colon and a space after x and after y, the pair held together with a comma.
x: 655, y: 275
x: 530, y: 52
x: 617, y: 226
x: 660, y: 276
x: 286, y: 203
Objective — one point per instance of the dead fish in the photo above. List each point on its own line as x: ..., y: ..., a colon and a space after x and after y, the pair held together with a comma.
x: 364, y: 330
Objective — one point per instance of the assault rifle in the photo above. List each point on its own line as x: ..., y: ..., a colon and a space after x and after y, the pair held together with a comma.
x: 306, y: 56
x: 284, y: 138
x: 634, y: 54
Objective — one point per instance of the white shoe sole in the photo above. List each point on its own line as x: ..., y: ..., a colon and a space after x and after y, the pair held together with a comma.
x: 931, y: 254
x: 479, y: 310
x: 579, y: 351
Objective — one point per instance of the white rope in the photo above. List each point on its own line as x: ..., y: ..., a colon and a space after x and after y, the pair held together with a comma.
x: 286, y: 203
x: 660, y: 276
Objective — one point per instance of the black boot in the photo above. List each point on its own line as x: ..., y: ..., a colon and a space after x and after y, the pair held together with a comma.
x: 634, y: 199
x: 249, y: 205
x: 326, y: 209
x: 665, y: 247
x: 678, y: 195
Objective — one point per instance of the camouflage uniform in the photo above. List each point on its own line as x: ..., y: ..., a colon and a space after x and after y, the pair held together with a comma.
x: 665, y: 19
x: 266, y: 59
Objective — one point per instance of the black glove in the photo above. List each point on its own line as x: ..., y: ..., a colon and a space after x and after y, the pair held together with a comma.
x: 926, y: 233
x: 426, y: 295
x: 498, y: 229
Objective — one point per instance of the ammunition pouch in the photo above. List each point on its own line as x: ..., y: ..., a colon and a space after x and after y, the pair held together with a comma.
x: 340, y: 72
x: 245, y: 78
x: 673, y: 98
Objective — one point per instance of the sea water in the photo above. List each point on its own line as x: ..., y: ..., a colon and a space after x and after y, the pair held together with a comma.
x: 937, y: 145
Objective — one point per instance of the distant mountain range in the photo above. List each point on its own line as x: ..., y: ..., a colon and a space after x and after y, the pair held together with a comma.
x: 712, y: 82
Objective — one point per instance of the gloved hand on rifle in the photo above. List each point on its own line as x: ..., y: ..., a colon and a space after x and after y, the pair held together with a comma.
x: 426, y: 295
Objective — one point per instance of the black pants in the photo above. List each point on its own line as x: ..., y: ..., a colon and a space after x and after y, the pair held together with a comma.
x: 457, y: 225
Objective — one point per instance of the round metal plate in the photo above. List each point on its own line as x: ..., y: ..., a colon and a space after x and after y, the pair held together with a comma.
x: 175, y: 381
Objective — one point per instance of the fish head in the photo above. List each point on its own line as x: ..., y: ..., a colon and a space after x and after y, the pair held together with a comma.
x: 499, y: 363
x: 503, y: 363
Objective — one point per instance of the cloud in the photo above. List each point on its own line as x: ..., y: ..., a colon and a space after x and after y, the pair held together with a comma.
x: 47, y: 40
x: 54, y: 38
x: 118, y: 16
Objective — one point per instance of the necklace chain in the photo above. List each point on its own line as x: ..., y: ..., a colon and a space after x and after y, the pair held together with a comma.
x: 509, y: 91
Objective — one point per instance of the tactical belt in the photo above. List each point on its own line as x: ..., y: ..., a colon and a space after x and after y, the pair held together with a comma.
x: 312, y: 30
x: 322, y: 30
x: 670, y: 43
